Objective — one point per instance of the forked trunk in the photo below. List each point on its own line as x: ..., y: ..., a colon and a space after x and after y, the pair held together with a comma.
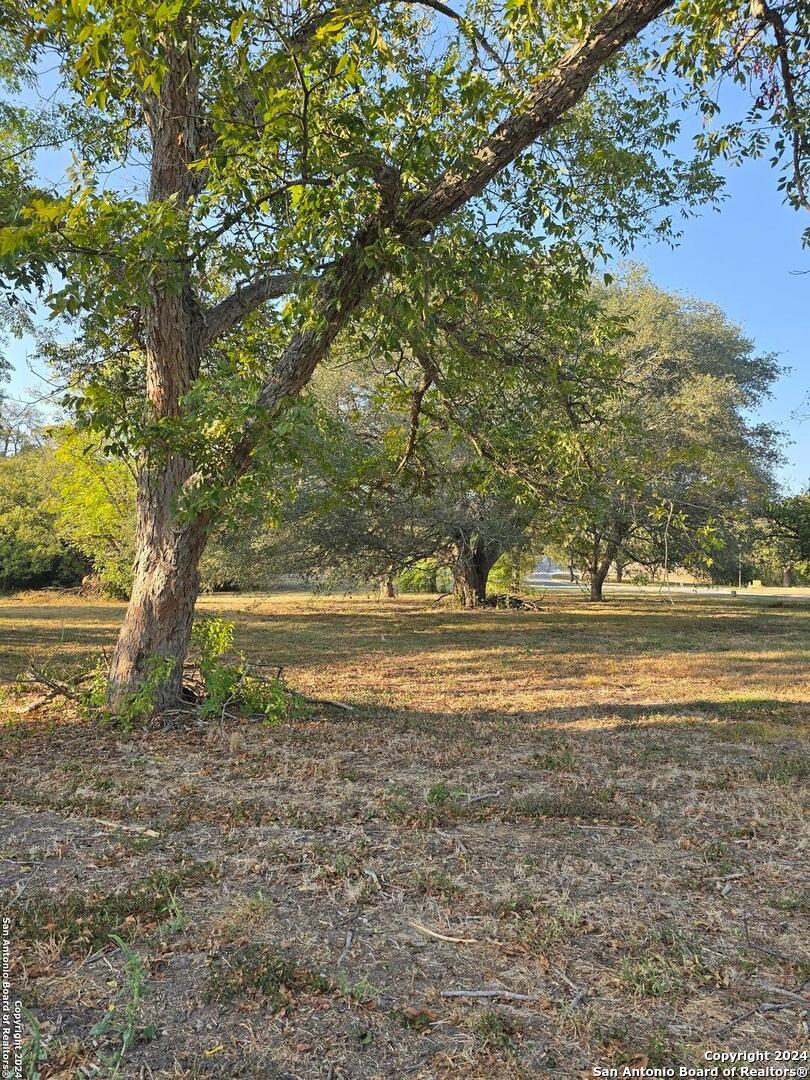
x: 598, y: 572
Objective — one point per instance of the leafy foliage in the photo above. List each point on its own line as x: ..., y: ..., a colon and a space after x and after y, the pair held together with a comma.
x: 791, y: 520
x: 673, y: 469
x: 234, y: 686
x: 93, y: 503
x: 32, y: 553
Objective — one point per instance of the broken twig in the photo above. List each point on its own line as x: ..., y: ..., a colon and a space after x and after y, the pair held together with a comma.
x: 444, y: 937
x: 328, y: 701
x: 505, y: 995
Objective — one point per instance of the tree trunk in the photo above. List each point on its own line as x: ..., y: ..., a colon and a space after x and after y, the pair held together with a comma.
x: 161, y: 610
x: 599, y: 571
x: 619, y: 572
x: 471, y: 571
x: 597, y: 581
x: 388, y: 587
x: 168, y: 547
x: 788, y: 577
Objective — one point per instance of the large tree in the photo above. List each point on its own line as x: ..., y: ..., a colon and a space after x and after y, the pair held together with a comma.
x: 787, y: 537
x: 673, y: 466
x: 228, y: 157
x: 373, y: 531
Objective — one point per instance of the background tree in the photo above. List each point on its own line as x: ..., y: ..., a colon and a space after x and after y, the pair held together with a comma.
x: 371, y: 511
x: 787, y: 540
x: 32, y: 552
x: 93, y: 502
x: 673, y: 466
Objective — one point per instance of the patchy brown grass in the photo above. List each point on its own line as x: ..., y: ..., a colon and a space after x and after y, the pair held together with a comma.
x: 601, y: 808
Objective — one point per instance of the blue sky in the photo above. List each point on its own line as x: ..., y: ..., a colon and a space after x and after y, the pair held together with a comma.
x: 747, y: 258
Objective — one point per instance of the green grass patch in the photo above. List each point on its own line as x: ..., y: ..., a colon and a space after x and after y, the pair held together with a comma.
x: 572, y: 805
x: 784, y: 769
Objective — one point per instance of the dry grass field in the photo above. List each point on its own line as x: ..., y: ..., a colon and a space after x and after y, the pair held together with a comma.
x: 540, y: 843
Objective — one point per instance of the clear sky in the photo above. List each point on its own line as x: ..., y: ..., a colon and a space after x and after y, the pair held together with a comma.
x: 747, y: 258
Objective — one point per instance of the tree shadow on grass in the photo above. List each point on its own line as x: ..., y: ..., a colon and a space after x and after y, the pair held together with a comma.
x: 664, y: 715
x: 570, y: 640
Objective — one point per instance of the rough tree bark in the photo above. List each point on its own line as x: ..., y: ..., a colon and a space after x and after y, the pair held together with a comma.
x: 471, y: 571
x: 388, y: 586
x: 168, y: 550
x: 158, y: 620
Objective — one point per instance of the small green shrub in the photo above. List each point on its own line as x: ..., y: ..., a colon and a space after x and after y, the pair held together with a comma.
x: 121, y: 1020
x: 440, y: 794
x: 233, y: 686
x: 34, y: 1050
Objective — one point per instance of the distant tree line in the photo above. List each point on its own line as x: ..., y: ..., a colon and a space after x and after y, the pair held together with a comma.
x: 614, y: 436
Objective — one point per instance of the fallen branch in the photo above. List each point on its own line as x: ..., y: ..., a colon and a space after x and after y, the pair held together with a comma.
x: 511, y: 602
x: 57, y: 689
x: 328, y: 701
x: 798, y: 998
x: 444, y: 937
x: 142, y: 829
x: 346, y: 947
x: 38, y: 703
x: 735, y: 1020
x: 505, y: 995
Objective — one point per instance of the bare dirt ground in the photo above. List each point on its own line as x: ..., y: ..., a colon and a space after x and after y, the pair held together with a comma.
x: 601, y: 809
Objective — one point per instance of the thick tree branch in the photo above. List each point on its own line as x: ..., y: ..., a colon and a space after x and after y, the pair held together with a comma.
x: 223, y: 316
x: 346, y: 287
x: 555, y: 95
x: 417, y: 396
x: 310, y: 26
x: 767, y: 14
